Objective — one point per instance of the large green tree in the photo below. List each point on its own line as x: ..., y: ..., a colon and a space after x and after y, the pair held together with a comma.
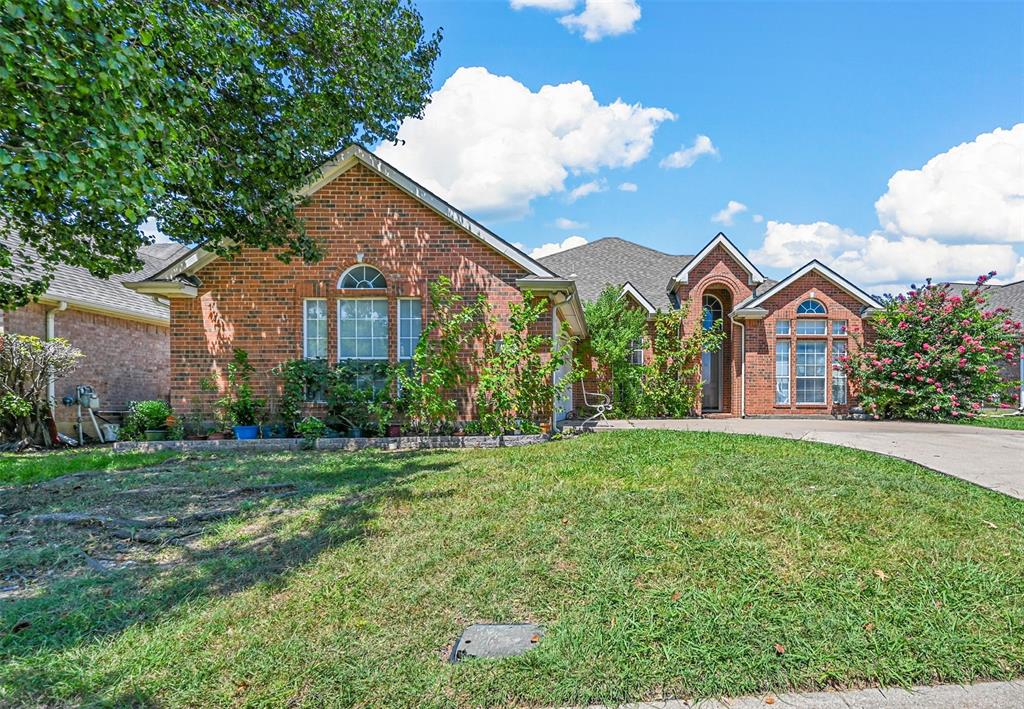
x: 207, y: 116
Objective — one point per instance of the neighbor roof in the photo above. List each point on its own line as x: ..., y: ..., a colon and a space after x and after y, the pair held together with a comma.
x: 79, y: 288
x: 1010, y: 296
x: 614, y: 262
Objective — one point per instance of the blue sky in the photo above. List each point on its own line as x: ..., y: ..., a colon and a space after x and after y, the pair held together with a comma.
x: 810, y: 108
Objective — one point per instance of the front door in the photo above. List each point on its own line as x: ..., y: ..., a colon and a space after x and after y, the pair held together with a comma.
x: 711, y: 376
x: 711, y: 362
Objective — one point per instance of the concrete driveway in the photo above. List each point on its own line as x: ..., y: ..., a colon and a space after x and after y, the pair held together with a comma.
x: 992, y: 458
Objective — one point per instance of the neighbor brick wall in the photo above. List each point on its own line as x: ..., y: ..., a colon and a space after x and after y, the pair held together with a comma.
x: 124, y: 360
x: 254, y: 301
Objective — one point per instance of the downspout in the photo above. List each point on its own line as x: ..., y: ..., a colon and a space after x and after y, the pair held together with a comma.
x: 743, y: 368
x: 51, y: 385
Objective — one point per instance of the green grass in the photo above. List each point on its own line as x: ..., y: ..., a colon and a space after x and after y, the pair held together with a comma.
x: 1014, y: 423
x: 22, y: 468
x: 661, y: 564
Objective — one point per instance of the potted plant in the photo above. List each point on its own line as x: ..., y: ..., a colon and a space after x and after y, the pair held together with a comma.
x: 240, y: 407
x: 310, y: 428
x: 382, y: 409
x: 147, y: 419
x: 352, y: 406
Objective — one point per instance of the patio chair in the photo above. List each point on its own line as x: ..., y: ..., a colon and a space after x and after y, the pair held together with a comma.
x: 600, y: 403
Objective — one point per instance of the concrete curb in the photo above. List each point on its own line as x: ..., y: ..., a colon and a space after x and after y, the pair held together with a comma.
x: 334, y: 444
x: 984, y: 695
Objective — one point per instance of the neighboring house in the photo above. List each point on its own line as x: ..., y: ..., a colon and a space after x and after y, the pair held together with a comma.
x: 123, y: 335
x: 385, y: 238
x: 1011, y: 297
x: 782, y: 337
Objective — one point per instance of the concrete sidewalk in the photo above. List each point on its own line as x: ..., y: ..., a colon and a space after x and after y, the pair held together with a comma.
x: 986, y: 695
x: 990, y: 457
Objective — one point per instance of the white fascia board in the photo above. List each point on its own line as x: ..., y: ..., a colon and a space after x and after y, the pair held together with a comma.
x: 753, y: 275
x: 630, y: 289
x: 167, y: 289
x: 866, y: 299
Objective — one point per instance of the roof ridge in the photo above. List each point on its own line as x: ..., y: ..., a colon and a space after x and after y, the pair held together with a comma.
x: 622, y: 241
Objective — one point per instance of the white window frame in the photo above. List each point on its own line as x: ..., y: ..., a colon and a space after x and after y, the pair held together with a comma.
x: 387, y: 330
x: 840, y: 327
x: 636, y: 352
x: 398, y: 327
x: 778, y: 327
x: 823, y: 377
x: 803, y: 321
x: 823, y: 311
x: 305, y: 328
x: 784, y: 346
x: 838, y: 375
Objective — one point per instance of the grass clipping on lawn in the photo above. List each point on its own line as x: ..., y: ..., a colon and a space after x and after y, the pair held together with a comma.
x: 661, y: 564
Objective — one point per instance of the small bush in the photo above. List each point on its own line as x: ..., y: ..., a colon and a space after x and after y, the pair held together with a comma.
x: 144, y: 416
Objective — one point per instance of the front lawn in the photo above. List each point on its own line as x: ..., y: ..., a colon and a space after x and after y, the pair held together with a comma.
x: 1002, y: 420
x: 21, y: 468
x: 661, y: 564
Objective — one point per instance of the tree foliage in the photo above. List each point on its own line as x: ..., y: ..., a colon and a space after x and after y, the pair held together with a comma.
x: 26, y: 366
x: 517, y: 385
x: 437, y: 371
x: 206, y: 116
x: 936, y: 354
x: 615, y: 325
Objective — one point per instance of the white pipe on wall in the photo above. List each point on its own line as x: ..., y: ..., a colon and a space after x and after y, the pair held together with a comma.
x: 743, y: 368
x: 50, y: 328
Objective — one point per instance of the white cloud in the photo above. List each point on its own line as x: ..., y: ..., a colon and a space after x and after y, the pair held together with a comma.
x: 558, y: 5
x: 567, y: 224
x: 603, y: 18
x: 552, y: 247
x: 685, y: 157
x: 757, y: 218
x: 488, y: 143
x: 628, y: 187
x: 727, y: 215
x: 877, y: 260
x: 974, y: 191
x: 150, y: 229
x: 587, y: 188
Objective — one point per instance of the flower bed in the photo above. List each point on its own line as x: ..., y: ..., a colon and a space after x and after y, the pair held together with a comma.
x: 334, y: 444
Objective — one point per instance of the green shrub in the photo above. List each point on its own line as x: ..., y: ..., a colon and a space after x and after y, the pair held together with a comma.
x: 144, y: 416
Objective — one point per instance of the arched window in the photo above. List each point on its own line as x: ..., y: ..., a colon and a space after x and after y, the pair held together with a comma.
x: 811, y: 307
x: 362, y: 277
x: 712, y: 311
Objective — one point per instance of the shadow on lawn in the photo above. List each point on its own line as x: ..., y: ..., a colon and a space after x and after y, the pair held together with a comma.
x: 88, y: 606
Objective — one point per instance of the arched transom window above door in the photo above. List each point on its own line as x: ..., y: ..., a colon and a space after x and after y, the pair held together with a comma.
x: 362, y: 277
x: 712, y: 310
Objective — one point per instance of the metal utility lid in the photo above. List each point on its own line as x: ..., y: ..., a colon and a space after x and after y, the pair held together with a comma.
x: 496, y: 640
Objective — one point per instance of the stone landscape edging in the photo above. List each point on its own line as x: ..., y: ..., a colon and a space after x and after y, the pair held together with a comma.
x: 334, y: 444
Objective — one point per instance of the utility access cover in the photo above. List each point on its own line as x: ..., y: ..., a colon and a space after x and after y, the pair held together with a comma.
x: 480, y: 640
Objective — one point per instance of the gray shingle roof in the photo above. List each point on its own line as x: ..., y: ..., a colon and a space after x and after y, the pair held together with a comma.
x: 1010, y: 296
x: 613, y: 261
x: 79, y: 287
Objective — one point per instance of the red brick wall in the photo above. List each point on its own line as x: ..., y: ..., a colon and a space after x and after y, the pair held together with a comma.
x: 124, y: 360
x: 721, y: 275
x: 255, y: 302
x: 761, y: 340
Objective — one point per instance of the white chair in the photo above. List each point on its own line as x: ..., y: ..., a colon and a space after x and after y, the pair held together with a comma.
x: 601, y: 403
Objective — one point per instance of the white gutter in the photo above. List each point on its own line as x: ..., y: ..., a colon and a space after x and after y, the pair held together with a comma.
x: 51, y: 385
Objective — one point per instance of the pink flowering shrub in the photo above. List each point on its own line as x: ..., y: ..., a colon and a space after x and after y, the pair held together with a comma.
x: 936, y: 354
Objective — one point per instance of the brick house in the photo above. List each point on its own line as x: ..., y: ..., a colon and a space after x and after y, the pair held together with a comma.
x: 782, y: 337
x: 385, y: 238
x: 123, y: 335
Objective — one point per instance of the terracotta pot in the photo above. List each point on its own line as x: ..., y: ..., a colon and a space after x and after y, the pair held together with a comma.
x: 394, y: 430
x: 545, y: 428
x: 216, y: 436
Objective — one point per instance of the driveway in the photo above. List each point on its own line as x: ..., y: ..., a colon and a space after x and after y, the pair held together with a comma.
x: 992, y: 458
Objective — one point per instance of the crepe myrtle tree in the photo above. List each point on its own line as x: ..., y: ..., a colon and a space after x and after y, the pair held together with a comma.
x: 206, y: 116
x: 27, y: 365
x: 936, y: 354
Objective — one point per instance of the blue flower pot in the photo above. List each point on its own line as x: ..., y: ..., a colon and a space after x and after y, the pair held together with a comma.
x: 246, y: 433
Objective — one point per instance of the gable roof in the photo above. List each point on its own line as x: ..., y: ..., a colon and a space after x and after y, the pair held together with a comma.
x: 615, y: 262
x: 80, y: 289
x: 345, y: 160
x: 754, y: 276
x: 817, y: 266
x: 630, y: 290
